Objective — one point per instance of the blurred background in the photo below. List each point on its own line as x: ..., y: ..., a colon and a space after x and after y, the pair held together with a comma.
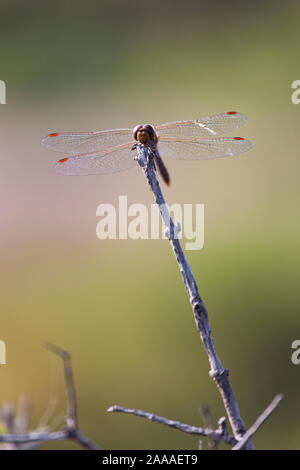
x: 120, y: 307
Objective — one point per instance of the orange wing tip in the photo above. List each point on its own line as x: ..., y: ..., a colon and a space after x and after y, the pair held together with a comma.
x: 239, y: 138
x: 232, y: 112
x: 63, y: 160
x: 54, y: 134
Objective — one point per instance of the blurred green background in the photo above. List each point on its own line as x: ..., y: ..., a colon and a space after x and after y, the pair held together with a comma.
x: 120, y: 307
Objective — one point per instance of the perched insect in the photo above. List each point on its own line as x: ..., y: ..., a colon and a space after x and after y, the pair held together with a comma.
x: 110, y: 151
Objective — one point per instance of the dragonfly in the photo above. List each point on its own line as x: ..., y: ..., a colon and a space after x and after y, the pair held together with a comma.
x: 109, y: 151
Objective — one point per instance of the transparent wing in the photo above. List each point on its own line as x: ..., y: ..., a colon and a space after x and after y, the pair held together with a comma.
x: 197, y: 149
x: 84, y: 142
x: 203, y: 127
x: 104, y: 161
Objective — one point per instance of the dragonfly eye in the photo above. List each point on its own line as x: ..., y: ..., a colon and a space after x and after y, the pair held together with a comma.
x: 136, y: 129
x: 150, y: 130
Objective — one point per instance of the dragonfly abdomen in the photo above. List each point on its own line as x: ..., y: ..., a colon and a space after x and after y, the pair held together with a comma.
x: 162, y: 169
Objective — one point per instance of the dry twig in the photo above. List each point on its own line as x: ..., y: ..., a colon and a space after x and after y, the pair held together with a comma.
x: 260, y: 420
x: 71, y: 431
x: 217, y: 372
x: 217, y: 435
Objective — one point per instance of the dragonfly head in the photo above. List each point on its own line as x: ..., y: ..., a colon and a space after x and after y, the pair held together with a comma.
x: 145, y: 134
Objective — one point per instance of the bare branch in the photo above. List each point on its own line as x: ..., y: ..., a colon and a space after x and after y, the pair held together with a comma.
x: 260, y: 420
x: 34, y: 438
x: 84, y: 441
x: 217, y: 372
x: 70, y: 388
x: 217, y: 435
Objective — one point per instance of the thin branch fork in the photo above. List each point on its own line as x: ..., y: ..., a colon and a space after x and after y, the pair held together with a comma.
x: 219, y: 434
x: 216, y: 435
x: 72, y: 430
x: 217, y: 372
